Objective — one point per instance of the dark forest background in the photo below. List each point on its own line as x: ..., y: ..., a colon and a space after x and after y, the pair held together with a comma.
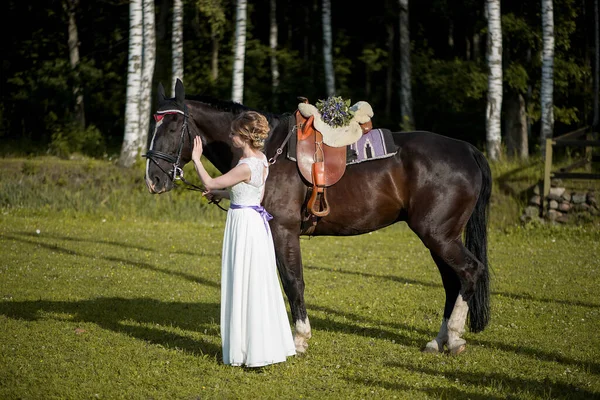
x: 449, y: 70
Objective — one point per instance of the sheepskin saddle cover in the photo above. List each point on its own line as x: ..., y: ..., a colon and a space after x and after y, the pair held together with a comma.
x: 339, y: 136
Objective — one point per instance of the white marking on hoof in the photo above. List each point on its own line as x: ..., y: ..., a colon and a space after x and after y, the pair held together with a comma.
x: 456, y: 350
x: 433, y: 347
x: 437, y: 344
x: 303, y: 333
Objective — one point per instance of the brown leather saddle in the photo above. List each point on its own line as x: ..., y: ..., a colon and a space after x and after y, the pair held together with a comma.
x: 321, y: 165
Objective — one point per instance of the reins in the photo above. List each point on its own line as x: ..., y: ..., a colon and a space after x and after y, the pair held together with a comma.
x: 177, y: 172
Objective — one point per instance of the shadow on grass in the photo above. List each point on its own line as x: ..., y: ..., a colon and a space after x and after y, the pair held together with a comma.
x: 137, y: 264
x: 118, y: 244
x: 433, y: 285
x: 367, y: 275
x: 149, y: 320
x: 509, y: 385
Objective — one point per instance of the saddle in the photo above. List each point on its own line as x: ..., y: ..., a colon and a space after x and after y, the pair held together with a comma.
x: 320, y: 164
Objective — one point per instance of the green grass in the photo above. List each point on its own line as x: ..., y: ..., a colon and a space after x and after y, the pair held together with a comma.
x: 121, y: 301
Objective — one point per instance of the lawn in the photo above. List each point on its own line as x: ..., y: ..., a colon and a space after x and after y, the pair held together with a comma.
x: 121, y: 301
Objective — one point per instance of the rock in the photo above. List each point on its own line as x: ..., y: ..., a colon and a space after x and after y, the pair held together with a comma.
x: 553, y: 204
x: 564, y: 207
x: 557, y: 191
x: 532, y: 212
x: 552, y: 215
x: 535, y: 200
x: 578, y: 198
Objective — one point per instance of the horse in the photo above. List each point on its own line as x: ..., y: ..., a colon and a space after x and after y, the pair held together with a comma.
x: 439, y: 186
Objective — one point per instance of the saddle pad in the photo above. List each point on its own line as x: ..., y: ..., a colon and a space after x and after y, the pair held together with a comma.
x: 373, y: 145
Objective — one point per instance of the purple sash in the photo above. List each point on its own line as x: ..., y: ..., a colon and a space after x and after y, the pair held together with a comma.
x: 260, y: 209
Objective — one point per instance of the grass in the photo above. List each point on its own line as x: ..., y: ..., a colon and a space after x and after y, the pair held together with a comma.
x: 120, y: 300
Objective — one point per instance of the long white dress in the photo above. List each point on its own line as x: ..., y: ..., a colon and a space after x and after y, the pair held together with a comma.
x: 255, y: 330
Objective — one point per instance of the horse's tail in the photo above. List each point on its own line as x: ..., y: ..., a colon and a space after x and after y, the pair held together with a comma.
x: 476, y: 243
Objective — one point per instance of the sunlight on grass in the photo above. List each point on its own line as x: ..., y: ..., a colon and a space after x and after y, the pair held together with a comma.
x: 121, y: 300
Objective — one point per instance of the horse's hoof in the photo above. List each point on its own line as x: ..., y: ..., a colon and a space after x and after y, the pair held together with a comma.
x: 301, y: 346
x: 457, y: 350
x: 433, y: 347
x: 430, y: 350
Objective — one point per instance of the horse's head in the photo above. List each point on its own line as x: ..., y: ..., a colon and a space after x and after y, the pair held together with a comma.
x: 170, y: 148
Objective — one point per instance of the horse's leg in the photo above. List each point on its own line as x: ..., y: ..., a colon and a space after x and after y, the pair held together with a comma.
x: 289, y: 264
x: 455, y: 314
x: 462, y: 263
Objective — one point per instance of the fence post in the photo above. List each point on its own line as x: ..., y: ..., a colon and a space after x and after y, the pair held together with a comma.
x: 547, y: 170
x: 588, y: 153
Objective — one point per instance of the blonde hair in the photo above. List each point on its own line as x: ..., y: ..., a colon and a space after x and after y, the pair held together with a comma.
x: 253, y: 127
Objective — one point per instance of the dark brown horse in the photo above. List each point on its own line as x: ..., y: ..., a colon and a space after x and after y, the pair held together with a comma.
x: 439, y: 186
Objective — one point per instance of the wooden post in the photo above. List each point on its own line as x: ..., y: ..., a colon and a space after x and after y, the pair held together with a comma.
x: 547, y: 170
x: 588, y: 153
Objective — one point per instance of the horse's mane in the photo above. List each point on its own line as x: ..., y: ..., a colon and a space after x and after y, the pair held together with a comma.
x: 231, y: 106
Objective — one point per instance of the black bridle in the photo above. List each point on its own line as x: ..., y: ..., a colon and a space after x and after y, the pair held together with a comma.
x: 176, y: 172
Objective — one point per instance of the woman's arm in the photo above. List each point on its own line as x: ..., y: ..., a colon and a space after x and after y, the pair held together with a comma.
x: 241, y: 173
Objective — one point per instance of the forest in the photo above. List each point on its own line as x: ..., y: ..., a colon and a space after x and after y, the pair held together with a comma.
x: 449, y: 76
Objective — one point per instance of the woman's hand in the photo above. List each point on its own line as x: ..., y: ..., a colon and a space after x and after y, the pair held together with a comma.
x: 197, y: 151
x: 215, y: 195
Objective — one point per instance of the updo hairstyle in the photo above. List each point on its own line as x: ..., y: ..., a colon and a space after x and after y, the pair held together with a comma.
x: 252, y: 127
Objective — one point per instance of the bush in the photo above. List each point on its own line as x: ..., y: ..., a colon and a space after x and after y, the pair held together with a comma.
x: 71, y: 140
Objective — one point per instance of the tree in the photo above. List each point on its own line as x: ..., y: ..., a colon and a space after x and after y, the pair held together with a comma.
x: 141, y: 61
x: 177, y: 43
x: 596, y: 118
x: 405, y: 70
x: 273, y: 46
x: 239, y: 48
x: 149, y: 61
x: 328, y: 48
x: 547, y: 88
x: 73, y: 42
x: 132, y: 141
x: 494, y: 97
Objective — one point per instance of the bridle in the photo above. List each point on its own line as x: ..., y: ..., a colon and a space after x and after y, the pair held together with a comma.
x: 176, y: 172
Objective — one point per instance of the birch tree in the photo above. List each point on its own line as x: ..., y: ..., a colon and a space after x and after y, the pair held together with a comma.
x: 328, y: 48
x: 273, y: 45
x: 132, y: 141
x: 239, y: 48
x: 177, y: 44
x: 596, y: 120
x: 73, y: 42
x: 494, y: 96
x: 405, y: 69
x: 547, y: 84
x: 148, y: 63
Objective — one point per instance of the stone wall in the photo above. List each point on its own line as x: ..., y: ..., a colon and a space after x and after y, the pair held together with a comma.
x: 561, y: 205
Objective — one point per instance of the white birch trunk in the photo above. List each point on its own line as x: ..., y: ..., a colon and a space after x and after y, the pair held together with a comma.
x: 596, y: 120
x: 407, y: 122
x: 73, y: 43
x: 131, y: 141
x: 273, y: 46
x: 177, y: 44
x: 494, y: 98
x: 237, y: 91
x: 148, y: 63
x: 547, y: 89
x: 328, y: 48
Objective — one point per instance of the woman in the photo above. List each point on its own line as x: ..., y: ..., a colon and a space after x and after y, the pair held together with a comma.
x: 255, y: 330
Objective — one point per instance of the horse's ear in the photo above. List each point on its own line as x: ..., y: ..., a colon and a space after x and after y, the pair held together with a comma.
x: 179, y: 92
x: 161, y: 93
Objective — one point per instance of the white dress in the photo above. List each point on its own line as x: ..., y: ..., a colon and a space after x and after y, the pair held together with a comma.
x: 255, y: 330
